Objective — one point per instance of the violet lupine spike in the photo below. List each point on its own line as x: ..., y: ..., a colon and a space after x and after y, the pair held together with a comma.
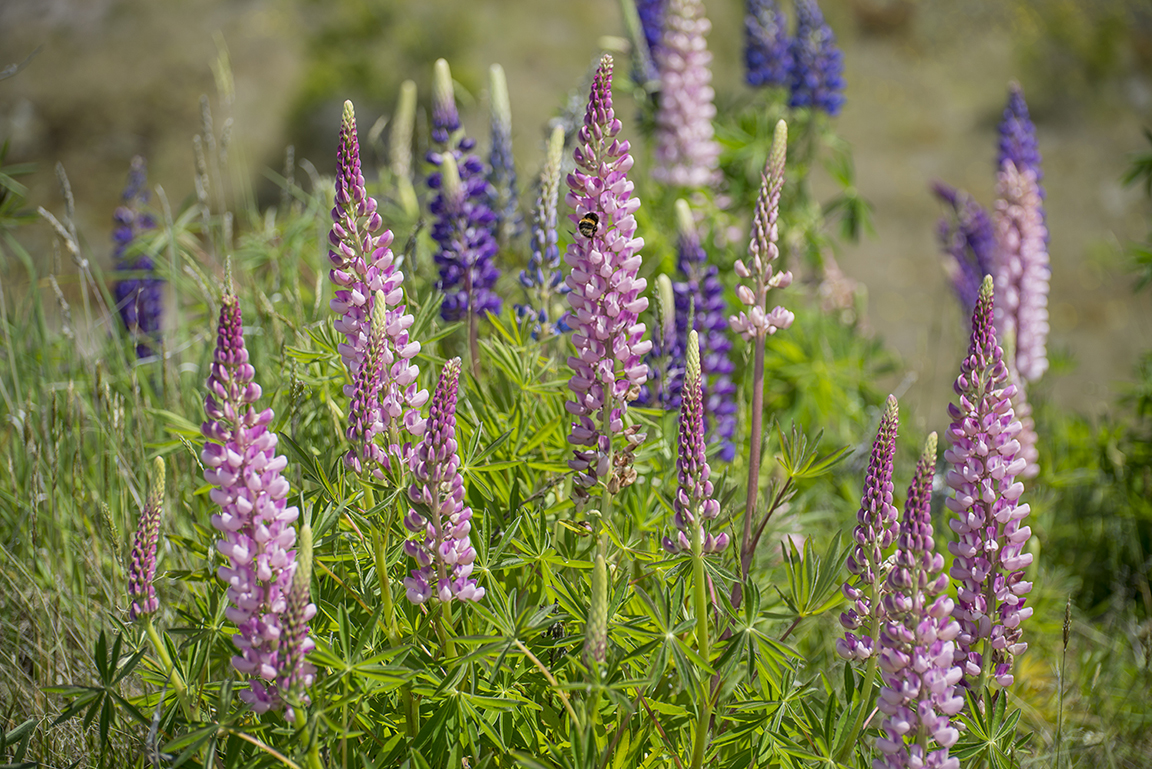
x: 1022, y: 270
x: 756, y: 322
x: 255, y: 520
x: 1018, y: 136
x: 296, y: 673
x: 365, y: 416
x: 605, y: 296
x: 504, y: 195
x: 544, y: 279
x: 767, y: 47
x: 915, y: 646
x: 989, y: 552
x: 876, y: 529
x: 445, y: 117
x: 694, y: 502
x: 817, y: 64
x: 687, y: 154
x: 651, y: 14
x: 969, y: 242
x: 140, y: 301
x: 142, y: 568
x: 363, y: 270
x: 439, y: 519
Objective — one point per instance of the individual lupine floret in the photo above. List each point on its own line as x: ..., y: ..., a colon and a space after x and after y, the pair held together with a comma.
x: 255, y: 520
x: 1022, y: 270
x: 767, y: 47
x: 687, y: 154
x: 875, y: 531
x: 694, y: 501
x: 142, y: 568
x: 543, y: 277
x: 969, y: 241
x: 605, y: 295
x: 364, y: 272
x: 817, y: 64
x: 464, y: 222
x: 139, y: 300
x: 915, y: 646
x: 296, y: 672
x: 504, y: 200
x: 440, y: 520
x: 989, y: 552
x: 757, y: 322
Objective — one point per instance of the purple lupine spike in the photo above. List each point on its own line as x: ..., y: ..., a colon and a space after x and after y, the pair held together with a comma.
x: 543, y: 278
x: 875, y: 531
x: 757, y: 322
x: 605, y: 294
x: 694, y: 502
x: 255, y: 520
x: 699, y: 295
x: 969, y: 241
x: 365, y: 417
x: 767, y: 47
x: 364, y: 272
x: 504, y: 195
x: 439, y: 519
x: 1018, y: 136
x: 296, y: 673
x: 687, y: 154
x: 651, y: 14
x: 140, y: 301
x: 915, y: 646
x: 1022, y: 270
x: 445, y: 117
x: 142, y: 569
x: 989, y: 552
x: 817, y: 64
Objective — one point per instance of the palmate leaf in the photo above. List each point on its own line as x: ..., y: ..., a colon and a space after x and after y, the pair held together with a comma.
x: 798, y: 454
x: 990, y: 737
x: 813, y: 580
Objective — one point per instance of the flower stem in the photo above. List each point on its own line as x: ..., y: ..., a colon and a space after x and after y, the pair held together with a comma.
x: 700, y: 589
x: 746, y: 544
x: 169, y: 669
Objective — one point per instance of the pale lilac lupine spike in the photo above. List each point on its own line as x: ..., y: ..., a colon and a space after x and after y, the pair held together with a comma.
x: 915, y: 647
x: 365, y: 420
x: 757, y: 322
x: 608, y: 366
x: 989, y: 552
x: 296, y: 673
x: 255, y: 520
x: 1022, y: 270
x: 142, y: 568
x: 694, y: 501
x: 363, y: 269
x: 439, y: 519
x: 687, y: 154
x: 875, y: 531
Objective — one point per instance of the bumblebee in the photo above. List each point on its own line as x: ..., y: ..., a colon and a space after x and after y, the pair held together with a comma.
x: 588, y: 225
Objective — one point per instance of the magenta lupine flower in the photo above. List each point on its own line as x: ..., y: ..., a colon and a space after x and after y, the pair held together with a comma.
x: 142, y: 569
x: 875, y: 531
x: 757, y: 322
x: 254, y: 519
x: 605, y: 288
x: 915, y: 646
x: 364, y: 272
x: 1022, y: 270
x: 694, y: 500
x: 687, y: 155
x: 445, y: 555
x: 990, y: 558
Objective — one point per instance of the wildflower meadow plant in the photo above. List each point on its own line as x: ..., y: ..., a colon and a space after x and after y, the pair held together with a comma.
x: 140, y: 300
x: 767, y: 46
x: 543, y: 278
x: 817, y: 64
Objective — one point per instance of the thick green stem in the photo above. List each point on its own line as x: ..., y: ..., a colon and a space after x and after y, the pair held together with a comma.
x: 700, y: 589
x: 865, y: 701
x: 444, y: 630
x: 746, y: 546
x: 170, y: 670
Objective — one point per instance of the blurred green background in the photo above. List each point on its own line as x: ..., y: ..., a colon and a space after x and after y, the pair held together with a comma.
x: 926, y: 83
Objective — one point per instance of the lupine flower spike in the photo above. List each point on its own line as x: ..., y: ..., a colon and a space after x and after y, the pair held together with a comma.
x: 296, y: 673
x: 139, y: 300
x: 694, y: 501
x: 504, y: 200
x: 1018, y: 137
x: 439, y: 519
x: 364, y: 273
x: 767, y: 47
x: 142, y: 569
x: 989, y: 552
x: 605, y: 296
x: 544, y: 278
x: 400, y: 148
x: 969, y: 244
x: 915, y: 646
x: 875, y: 531
x: 817, y: 64
x: 687, y: 155
x: 255, y: 521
